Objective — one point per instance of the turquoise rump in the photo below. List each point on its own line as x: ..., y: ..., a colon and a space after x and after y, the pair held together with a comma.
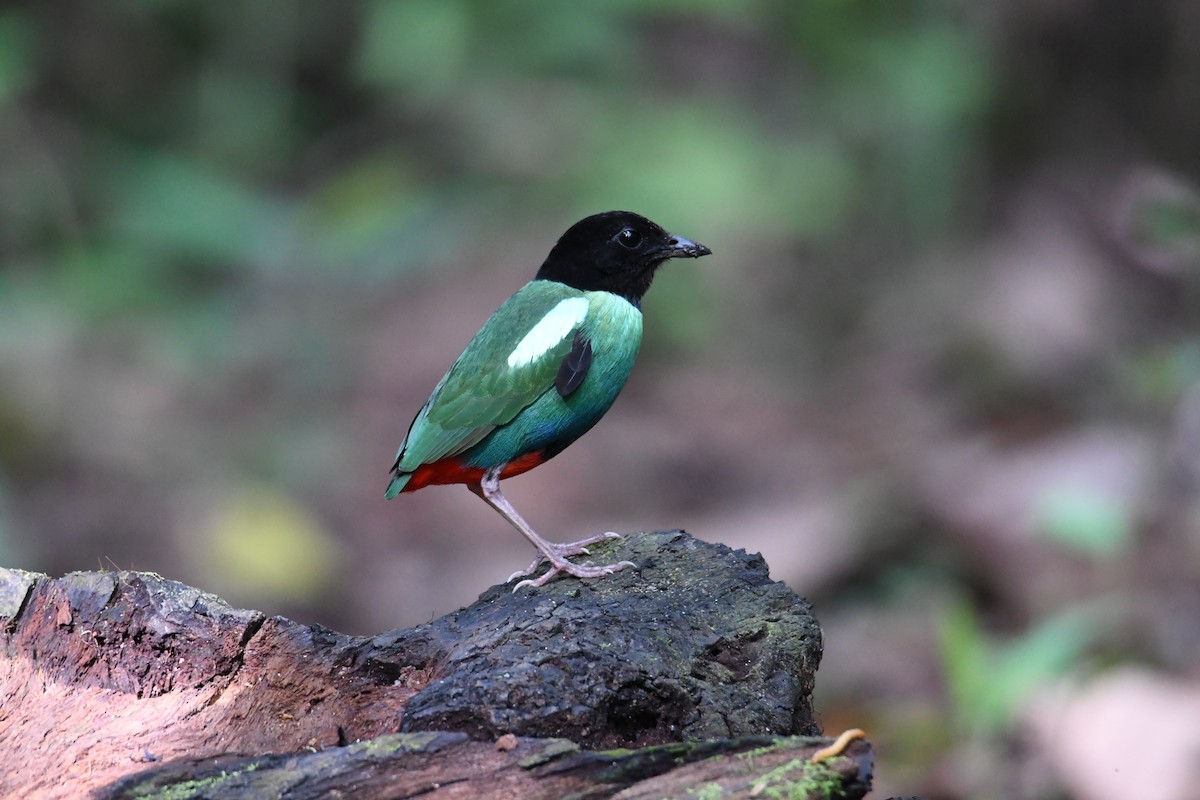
x: 543, y: 370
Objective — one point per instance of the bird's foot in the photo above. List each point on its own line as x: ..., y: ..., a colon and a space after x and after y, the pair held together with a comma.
x: 560, y: 565
x: 563, y: 551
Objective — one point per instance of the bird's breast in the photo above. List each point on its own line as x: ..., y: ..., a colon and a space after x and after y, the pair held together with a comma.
x: 614, y: 327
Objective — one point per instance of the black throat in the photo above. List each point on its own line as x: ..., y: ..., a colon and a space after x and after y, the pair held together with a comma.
x: 587, y: 279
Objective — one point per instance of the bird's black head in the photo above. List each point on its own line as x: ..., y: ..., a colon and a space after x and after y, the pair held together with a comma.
x: 617, y: 251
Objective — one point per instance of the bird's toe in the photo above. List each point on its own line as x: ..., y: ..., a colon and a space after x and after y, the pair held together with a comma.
x: 583, y: 571
x: 541, y: 580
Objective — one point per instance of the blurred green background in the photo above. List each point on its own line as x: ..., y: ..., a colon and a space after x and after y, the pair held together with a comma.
x: 943, y: 369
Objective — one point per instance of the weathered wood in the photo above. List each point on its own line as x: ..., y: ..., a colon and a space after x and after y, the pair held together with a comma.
x: 448, y: 766
x: 108, y: 674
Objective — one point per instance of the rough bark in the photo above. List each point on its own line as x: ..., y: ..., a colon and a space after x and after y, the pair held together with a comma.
x: 108, y: 674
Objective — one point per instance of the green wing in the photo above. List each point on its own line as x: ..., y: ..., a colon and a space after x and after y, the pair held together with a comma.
x: 481, y: 391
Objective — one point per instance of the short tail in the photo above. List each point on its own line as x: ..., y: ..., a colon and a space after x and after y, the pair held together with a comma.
x: 397, y: 484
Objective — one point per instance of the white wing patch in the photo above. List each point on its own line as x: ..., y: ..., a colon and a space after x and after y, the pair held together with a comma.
x: 550, y: 330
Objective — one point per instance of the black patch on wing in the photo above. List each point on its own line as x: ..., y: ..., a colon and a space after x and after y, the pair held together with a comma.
x: 574, y: 367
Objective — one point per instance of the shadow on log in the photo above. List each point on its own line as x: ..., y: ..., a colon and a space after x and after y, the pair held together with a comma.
x: 697, y: 665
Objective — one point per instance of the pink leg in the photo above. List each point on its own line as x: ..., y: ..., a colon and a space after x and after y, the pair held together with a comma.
x: 556, y: 554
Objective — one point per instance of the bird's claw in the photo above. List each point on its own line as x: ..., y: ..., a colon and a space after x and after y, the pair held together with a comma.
x: 563, y: 551
x: 577, y: 570
x: 519, y: 573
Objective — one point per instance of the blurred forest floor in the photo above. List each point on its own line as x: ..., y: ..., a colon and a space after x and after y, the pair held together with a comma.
x: 942, y: 370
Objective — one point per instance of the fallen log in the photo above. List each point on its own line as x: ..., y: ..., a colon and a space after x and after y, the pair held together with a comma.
x: 118, y: 680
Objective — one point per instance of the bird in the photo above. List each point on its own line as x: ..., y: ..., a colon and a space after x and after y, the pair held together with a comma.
x: 543, y: 369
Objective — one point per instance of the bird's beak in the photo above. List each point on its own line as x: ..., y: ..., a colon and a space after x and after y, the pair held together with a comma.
x: 679, y: 247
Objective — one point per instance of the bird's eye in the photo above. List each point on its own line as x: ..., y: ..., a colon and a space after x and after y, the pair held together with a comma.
x: 629, y: 238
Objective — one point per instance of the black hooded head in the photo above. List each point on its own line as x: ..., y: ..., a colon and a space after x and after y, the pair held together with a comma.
x: 617, y: 251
